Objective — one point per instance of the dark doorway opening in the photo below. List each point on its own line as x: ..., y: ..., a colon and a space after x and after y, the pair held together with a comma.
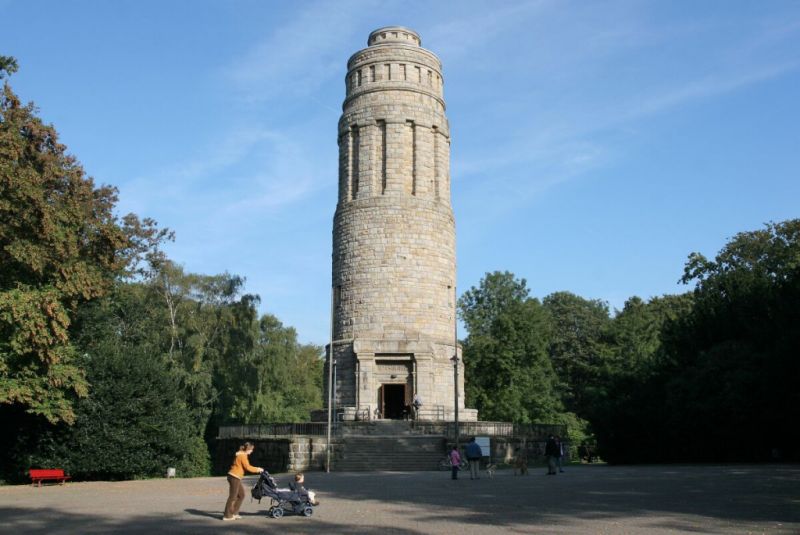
x: 393, y: 401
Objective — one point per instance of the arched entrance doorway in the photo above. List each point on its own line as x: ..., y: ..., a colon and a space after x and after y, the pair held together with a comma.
x: 392, y: 401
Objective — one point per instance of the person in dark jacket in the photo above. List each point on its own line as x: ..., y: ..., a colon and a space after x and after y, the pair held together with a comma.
x: 474, y: 455
x: 551, y: 451
x: 560, y: 458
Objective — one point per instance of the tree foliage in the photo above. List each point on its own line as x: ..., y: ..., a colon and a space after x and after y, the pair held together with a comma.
x: 60, y: 246
x: 134, y: 424
x: 505, y: 354
x: 710, y: 375
x: 8, y: 66
x: 578, y: 345
x: 720, y: 381
x: 280, y: 380
x: 114, y: 361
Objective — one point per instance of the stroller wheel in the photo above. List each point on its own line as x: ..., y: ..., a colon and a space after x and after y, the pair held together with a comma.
x: 308, y: 511
x: 277, y: 512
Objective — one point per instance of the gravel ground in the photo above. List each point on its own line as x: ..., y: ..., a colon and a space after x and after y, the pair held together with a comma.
x: 584, y: 499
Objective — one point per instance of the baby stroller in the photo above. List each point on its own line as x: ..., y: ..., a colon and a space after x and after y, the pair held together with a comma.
x: 281, y: 500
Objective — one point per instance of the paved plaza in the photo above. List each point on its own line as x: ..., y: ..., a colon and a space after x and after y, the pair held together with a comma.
x: 585, y: 499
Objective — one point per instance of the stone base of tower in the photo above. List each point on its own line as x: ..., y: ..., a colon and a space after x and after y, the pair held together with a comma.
x: 378, y: 445
x: 378, y: 379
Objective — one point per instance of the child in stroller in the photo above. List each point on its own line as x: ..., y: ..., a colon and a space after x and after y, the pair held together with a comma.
x: 305, y: 494
x: 282, y: 499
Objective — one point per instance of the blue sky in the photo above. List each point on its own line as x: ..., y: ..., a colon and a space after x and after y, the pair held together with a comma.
x: 594, y: 144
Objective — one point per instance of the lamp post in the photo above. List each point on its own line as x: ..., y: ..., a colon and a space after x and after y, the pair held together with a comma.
x: 334, y: 394
x: 330, y: 389
x: 455, y: 389
x: 455, y: 362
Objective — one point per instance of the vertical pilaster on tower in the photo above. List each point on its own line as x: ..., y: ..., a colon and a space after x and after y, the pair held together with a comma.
x: 394, y: 259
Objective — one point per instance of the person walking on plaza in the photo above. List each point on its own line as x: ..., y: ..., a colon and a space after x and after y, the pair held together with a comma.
x: 235, y: 474
x: 455, y: 462
x: 560, y: 458
x: 551, y: 452
x: 474, y: 455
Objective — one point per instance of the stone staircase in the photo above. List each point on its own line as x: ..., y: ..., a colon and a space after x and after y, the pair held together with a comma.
x: 402, y: 452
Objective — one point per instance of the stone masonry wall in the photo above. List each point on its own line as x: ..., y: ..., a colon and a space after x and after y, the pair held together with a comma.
x: 276, y: 455
x: 394, y: 264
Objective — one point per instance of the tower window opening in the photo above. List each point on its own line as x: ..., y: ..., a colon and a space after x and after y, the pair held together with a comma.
x: 359, y: 77
x: 372, y: 73
x: 354, y: 162
x: 382, y: 154
x: 388, y: 67
x: 413, y: 157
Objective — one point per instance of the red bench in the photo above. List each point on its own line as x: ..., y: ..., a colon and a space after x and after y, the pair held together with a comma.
x: 48, y: 474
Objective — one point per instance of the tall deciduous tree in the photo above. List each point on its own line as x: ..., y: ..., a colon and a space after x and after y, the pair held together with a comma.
x: 509, y: 374
x: 279, y: 380
x: 625, y: 404
x: 578, y: 345
x: 206, y: 324
x: 636, y: 331
x: 134, y: 424
x: 60, y: 246
x: 734, y: 359
x: 720, y: 381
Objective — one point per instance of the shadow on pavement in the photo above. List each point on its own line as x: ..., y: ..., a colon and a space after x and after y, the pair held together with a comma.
x: 719, y: 495
x: 209, y: 514
x: 585, y: 499
x: 20, y: 520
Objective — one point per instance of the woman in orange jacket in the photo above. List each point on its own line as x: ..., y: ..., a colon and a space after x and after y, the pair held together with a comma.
x: 235, y: 475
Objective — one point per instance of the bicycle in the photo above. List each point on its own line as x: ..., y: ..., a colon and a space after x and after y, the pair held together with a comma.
x: 445, y: 466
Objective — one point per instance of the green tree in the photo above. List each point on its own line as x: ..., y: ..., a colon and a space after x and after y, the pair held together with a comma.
x: 279, y: 380
x: 134, y: 424
x: 8, y: 65
x: 505, y: 354
x: 60, y: 246
x: 733, y: 360
x: 636, y: 331
x: 624, y: 409
x: 578, y: 348
x: 479, y: 307
x: 207, y: 322
x: 720, y: 381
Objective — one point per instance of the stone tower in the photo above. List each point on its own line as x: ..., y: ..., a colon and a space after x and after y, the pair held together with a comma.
x: 394, y: 262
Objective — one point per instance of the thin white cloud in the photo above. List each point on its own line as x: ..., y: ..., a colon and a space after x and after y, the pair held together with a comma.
x: 454, y: 39
x: 556, y: 132
x: 249, y: 169
x: 707, y: 87
x: 301, y: 55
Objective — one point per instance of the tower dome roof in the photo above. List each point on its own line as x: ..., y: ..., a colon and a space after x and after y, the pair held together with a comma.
x: 394, y: 34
